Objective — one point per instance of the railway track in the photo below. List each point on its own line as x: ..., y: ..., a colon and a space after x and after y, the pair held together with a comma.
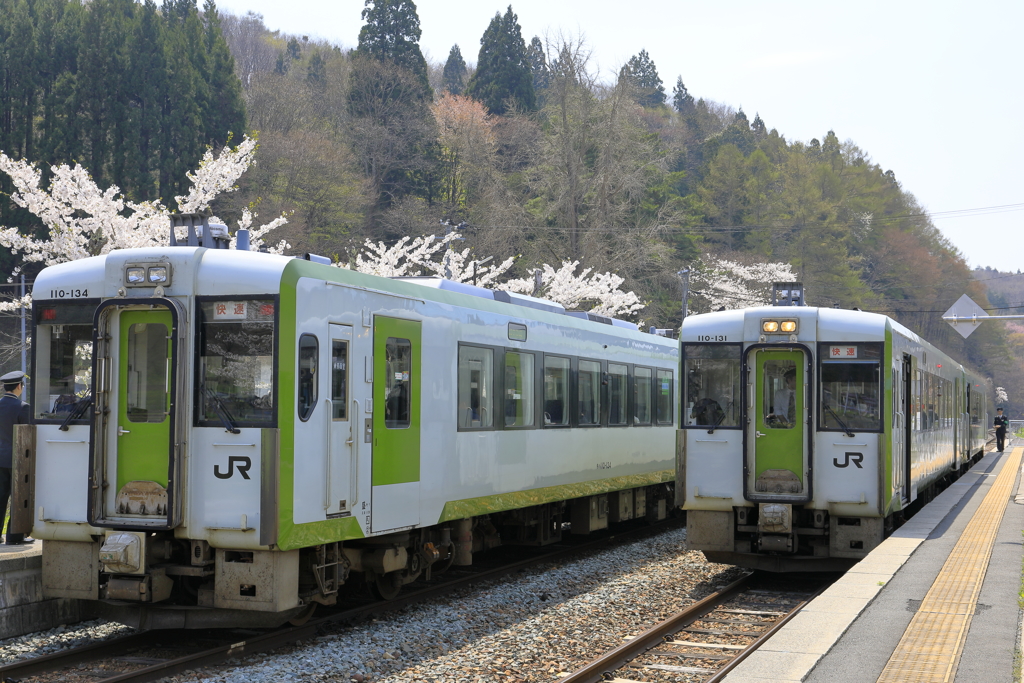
x: 152, y: 655
x: 708, y: 639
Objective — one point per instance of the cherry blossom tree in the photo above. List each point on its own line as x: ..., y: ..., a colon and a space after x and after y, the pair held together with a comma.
x: 1001, y: 396
x: 719, y: 283
x: 428, y: 254
x: 598, y: 293
x: 83, y: 220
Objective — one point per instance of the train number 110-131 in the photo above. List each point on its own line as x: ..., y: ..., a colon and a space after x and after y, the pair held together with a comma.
x: 712, y: 337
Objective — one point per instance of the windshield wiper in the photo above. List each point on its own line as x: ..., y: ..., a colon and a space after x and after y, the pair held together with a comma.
x: 717, y: 422
x: 77, y: 410
x: 222, y: 412
x: 839, y: 420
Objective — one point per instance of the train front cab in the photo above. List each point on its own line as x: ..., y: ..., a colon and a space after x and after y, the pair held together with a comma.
x: 789, y: 479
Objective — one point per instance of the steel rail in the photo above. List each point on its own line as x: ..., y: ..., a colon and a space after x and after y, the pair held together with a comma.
x: 633, y: 648
x: 290, y: 634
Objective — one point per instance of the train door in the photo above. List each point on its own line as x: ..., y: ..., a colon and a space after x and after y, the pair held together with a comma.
x: 342, y: 414
x: 133, y: 441
x: 903, y: 401
x: 778, y: 458
x: 395, y: 463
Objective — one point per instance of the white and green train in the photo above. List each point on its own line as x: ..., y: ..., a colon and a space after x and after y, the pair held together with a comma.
x: 807, y: 433
x: 225, y: 437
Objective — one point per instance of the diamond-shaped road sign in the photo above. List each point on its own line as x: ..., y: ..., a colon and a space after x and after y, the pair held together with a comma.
x: 965, y: 316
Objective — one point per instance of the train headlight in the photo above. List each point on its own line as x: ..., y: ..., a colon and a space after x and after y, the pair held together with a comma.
x: 788, y: 326
x: 770, y: 326
x: 135, y: 275
x: 158, y: 274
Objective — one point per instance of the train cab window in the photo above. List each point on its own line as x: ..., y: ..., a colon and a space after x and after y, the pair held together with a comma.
x: 850, y: 391
x: 519, y: 389
x: 339, y: 379
x: 711, y: 376
x: 398, y: 383
x: 308, y: 373
x: 476, y: 377
x: 588, y: 385
x: 663, y: 397
x: 618, y: 384
x: 236, y: 350
x: 147, y: 372
x: 556, y: 391
x: 63, y: 341
x: 643, y: 380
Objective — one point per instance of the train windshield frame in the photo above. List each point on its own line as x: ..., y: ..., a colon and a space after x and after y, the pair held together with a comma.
x: 850, y: 392
x: 712, y: 377
x: 63, y: 353
x: 236, y: 360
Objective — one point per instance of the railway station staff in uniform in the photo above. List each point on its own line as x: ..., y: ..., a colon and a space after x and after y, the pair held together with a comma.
x: 12, y: 411
x: 1001, y: 423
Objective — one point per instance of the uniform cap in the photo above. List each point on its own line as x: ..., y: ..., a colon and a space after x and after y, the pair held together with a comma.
x: 15, y: 376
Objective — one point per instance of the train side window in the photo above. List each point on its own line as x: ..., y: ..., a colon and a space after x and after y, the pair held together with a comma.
x: 556, y: 391
x: 519, y: 389
x: 618, y: 384
x: 339, y: 379
x: 308, y: 353
x: 642, y: 381
x: 663, y: 395
x: 711, y: 377
x: 476, y: 396
x: 63, y: 346
x: 589, y: 392
x: 398, y: 383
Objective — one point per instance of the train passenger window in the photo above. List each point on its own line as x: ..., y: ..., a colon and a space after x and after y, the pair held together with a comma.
x: 308, y: 372
x: 63, y: 339
x: 618, y: 382
x: 711, y: 376
x: 556, y: 391
x: 663, y: 397
x: 339, y: 379
x: 236, y: 362
x: 519, y: 394
x: 589, y: 392
x: 643, y: 379
x: 780, y: 394
x: 398, y: 384
x: 850, y: 390
x: 476, y: 373
x: 147, y: 372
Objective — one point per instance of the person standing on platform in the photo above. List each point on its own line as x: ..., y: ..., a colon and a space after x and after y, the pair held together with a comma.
x: 12, y: 411
x: 1001, y: 424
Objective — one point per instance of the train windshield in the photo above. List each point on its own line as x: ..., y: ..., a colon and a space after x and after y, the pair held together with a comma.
x: 63, y: 341
x: 712, y: 376
x: 236, y: 362
x: 850, y: 387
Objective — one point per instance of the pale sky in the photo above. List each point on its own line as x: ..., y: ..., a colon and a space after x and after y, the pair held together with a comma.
x: 930, y: 90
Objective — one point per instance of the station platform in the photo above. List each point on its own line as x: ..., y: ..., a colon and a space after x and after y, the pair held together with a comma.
x: 939, y: 600
x: 22, y: 607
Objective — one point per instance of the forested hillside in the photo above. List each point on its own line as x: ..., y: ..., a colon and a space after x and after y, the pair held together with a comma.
x: 519, y: 138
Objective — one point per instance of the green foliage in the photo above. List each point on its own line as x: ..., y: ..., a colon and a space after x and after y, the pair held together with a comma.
x: 641, y: 72
x: 455, y: 71
x: 392, y: 34
x: 504, y: 78
x: 682, y: 100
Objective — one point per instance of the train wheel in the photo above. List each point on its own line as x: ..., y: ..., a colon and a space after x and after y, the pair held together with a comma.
x: 386, y: 586
x: 303, y: 616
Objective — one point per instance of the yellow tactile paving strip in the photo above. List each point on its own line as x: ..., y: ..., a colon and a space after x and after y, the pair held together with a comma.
x: 930, y: 649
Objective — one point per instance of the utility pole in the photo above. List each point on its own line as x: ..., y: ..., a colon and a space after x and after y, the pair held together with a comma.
x: 685, y: 275
x: 24, y: 367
